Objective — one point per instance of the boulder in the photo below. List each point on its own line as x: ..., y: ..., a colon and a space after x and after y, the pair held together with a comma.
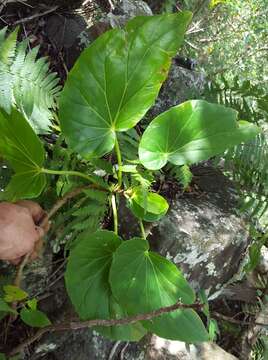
x: 126, y: 10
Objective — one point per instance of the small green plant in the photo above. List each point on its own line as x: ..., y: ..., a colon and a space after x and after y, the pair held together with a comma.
x: 110, y: 88
x: 28, y: 313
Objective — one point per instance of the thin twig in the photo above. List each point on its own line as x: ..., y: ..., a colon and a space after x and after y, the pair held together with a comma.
x: 35, y: 16
x: 21, y: 267
x: 191, y: 45
x: 76, y: 325
x: 235, y: 321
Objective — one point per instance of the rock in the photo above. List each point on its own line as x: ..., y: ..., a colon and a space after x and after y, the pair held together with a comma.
x: 87, y: 344
x: 162, y: 349
x: 202, y: 234
x: 181, y: 85
x: 209, y: 351
x: 63, y: 31
x: 126, y: 10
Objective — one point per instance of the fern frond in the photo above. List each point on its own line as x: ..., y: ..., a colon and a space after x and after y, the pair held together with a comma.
x: 25, y: 82
x: 143, y: 178
x: 247, y: 163
x: 8, y: 48
x: 87, y: 215
x: 129, y: 144
x: 183, y: 174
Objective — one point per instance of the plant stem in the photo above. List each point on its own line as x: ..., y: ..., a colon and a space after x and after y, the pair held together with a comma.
x: 142, y: 229
x: 119, y: 160
x: 69, y: 173
x: 75, y: 325
x: 114, y: 207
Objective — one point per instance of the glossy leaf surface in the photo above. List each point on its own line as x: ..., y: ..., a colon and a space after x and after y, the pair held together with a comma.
x: 21, y: 147
x: 34, y: 318
x: 117, y: 79
x: 147, y: 205
x: 88, y: 284
x: 193, y: 131
x: 143, y: 281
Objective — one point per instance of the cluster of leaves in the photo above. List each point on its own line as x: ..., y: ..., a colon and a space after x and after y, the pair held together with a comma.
x: 110, y: 88
x: 28, y: 313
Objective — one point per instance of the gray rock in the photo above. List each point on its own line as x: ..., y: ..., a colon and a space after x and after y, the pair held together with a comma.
x: 87, y: 344
x: 126, y: 10
x: 63, y: 31
x: 202, y: 234
x: 181, y: 85
x: 162, y: 349
x: 209, y: 351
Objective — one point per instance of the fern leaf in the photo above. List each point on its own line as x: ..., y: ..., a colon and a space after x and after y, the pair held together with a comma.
x: 8, y: 48
x: 5, y: 88
x: 90, y: 210
x: 183, y: 174
x: 98, y: 195
x: 26, y: 82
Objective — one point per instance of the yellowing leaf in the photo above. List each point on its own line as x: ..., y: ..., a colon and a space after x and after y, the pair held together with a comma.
x: 14, y: 293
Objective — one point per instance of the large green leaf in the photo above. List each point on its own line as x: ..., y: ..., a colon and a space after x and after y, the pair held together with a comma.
x: 193, y: 131
x: 88, y: 284
x: 20, y: 146
x: 147, y: 205
x: 117, y: 79
x: 143, y: 281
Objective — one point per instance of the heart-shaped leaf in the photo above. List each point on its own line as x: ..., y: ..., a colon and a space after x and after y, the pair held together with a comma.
x: 147, y: 205
x: 87, y: 282
x: 190, y: 132
x: 34, y: 318
x: 117, y: 79
x: 143, y: 281
x: 21, y: 147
